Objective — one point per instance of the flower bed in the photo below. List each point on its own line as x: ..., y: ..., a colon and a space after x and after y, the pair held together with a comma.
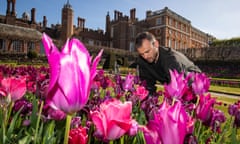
x: 73, y: 102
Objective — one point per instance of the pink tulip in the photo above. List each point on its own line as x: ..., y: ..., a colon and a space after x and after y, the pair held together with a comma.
x: 204, y: 109
x: 170, y: 125
x: 113, y: 119
x: 13, y: 87
x: 178, y: 85
x: 141, y: 92
x: 201, y: 83
x: 71, y: 74
x: 128, y: 83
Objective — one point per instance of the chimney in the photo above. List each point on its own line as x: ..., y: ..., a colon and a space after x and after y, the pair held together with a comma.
x: 115, y: 15
x: 133, y: 14
x: 119, y: 15
x: 44, y: 21
x: 33, y: 16
x: 83, y: 23
x: 13, y: 8
x: 107, y: 25
x: 8, y: 8
x: 79, y: 22
x: 148, y: 13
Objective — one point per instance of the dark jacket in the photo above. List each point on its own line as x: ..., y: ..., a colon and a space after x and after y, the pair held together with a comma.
x: 168, y: 59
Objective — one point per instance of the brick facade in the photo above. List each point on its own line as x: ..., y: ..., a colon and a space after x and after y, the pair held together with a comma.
x: 171, y: 30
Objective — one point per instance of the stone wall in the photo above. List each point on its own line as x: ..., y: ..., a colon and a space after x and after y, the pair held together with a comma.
x: 213, y: 53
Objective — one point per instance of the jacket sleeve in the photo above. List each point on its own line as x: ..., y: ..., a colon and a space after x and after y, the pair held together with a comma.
x: 181, y: 63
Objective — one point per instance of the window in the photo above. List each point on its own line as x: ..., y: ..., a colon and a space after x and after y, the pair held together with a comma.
x: 159, y: 21
x: 170, y: 32
x: 132, y: 31
x: 182, y: 27
x: 112, y: 31
x: 169, y: 42
x: 17, y: 45
x: 176, y: 45
x: 2, y: 45
x: 170, y: 21
x: 91, y: 42
x: 31, y: 46
x: 131, y: 47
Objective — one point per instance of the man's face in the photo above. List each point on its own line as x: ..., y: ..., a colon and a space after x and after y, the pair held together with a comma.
x: 148, y: 50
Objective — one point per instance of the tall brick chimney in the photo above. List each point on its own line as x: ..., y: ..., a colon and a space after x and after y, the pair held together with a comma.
x: 8, y: 12
x: 81, y: 22
x: 33, y: 15
x: 115, y: 14
x: 13, y: 8
x: 133, y: 14
x: 78, y: 22
x: 108, y: 28
x: 44, y: 21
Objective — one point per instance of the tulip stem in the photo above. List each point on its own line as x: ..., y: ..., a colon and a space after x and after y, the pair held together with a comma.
x: 38, y: 120
x: 122, y: 140
x: 199, y: 129
x: 9, y: 113
x: 67, y: 128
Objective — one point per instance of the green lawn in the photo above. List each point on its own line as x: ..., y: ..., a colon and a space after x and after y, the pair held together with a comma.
x: 223, y: 89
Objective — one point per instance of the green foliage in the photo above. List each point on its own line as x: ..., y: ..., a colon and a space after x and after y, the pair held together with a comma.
x: 32, y: 54
x: 227, y: 42
x: 40, y: 130
x: 110, y: 61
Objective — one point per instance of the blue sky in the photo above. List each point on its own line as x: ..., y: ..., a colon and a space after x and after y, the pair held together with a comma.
x: 219, y: 18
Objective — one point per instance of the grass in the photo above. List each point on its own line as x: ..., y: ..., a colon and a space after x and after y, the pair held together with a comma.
x: 228, y: 90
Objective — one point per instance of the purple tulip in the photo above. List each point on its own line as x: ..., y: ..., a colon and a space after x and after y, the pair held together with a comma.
x: 128, y: 83
x: 71, y: 74
x: 217, y: 118
x: 56, y: 114
x: 201, y: 83
x: 76, y: 122
x: 24, y: 105
x: 204, y: 109
x: 170, y: 124
x: 237, y: 119
x: 232, y: 109
x: 178, y: 85
x: 134, y: 128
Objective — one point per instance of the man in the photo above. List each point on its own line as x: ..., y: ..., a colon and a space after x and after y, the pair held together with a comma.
x: 155, y: 61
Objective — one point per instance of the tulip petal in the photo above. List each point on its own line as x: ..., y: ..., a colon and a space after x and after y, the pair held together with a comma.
x: 95, y: 63
x: 53, y: 56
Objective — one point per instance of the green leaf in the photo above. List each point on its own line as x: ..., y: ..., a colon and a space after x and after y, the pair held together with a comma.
x: 12, y: 124
x: 34, y: 116
x: 25, y: 140
x: 233, y: 136
x: 49, y: 136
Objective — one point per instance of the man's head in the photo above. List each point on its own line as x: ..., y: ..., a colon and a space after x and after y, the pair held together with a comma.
x: 147, y: 46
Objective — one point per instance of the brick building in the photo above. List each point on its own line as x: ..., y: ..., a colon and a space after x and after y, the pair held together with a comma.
x: 19, y: 35
x: 171, y: 30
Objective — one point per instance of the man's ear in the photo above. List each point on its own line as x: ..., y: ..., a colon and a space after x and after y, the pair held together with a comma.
x: 156, y: 43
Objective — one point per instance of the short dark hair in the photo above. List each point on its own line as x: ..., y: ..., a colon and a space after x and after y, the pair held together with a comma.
x: 142, y: 36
